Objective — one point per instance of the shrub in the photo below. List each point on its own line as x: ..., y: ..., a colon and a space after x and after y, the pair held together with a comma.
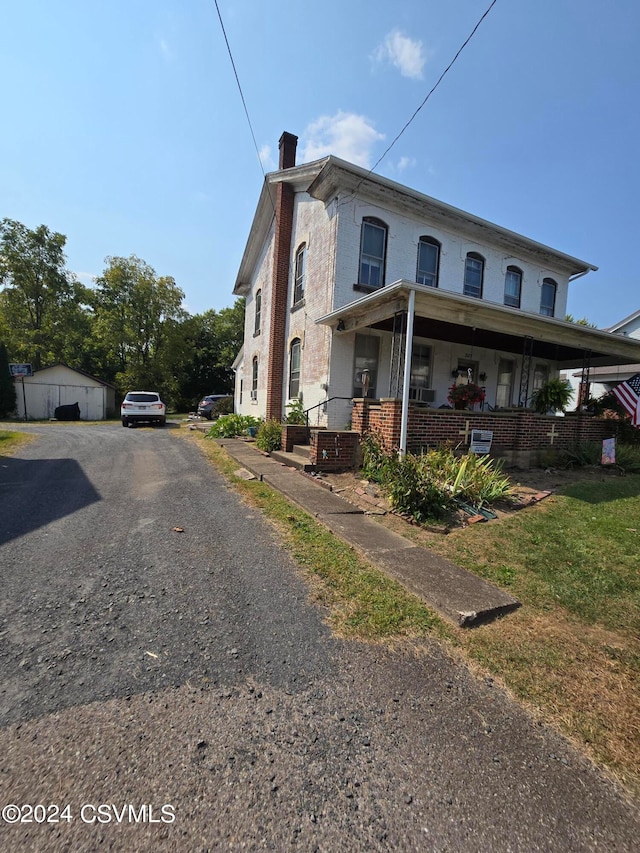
x: 375, y: 460
x: 269, y: 436
x: 295, y: 413
x: 230, y: 426
x: 412, y: 491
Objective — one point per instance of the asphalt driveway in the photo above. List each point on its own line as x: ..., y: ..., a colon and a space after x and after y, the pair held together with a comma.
x: 167, y: 683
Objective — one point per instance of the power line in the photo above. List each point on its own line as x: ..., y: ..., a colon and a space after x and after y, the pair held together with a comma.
x: 244, y: 104
x: 439, y: 80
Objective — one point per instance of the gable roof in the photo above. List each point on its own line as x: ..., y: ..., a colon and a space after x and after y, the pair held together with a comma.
x: 75, y: 370
x: 330, y: 177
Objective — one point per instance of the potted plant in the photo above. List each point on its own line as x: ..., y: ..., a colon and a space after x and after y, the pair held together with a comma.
x: 554, y: 396
x: 464, y: 395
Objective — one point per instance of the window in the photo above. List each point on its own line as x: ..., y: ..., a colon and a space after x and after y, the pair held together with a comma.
x: 473, y: 275
x: 366, y: 358
x: 299, y: 274
x: 428, y: 257
x: 548, y: 297
x: 294, y: 369
x: 373, y: 244
x: 258, y: 313
x: 420, y: 373
x: 254, y: 378
x: 512, y: 287
x: 505, y: 383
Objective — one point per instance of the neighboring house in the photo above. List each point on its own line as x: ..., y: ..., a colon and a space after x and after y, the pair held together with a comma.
x: 60, y: 385
x: 600, y: 380
x: 348, y: 276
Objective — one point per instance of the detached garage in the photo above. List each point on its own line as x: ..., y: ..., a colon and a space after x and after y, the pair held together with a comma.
x: 60, y: 385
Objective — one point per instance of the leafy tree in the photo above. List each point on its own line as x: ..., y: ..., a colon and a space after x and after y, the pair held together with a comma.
x: 136, y: 316
x: 212, y: 342
x: 41, y: 304
x: 581, y: 322
x: 7, y: 387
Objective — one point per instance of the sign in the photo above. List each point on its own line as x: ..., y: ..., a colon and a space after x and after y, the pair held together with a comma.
x: 481, y: 440
x: 20, y: 370
x: 608, y: 451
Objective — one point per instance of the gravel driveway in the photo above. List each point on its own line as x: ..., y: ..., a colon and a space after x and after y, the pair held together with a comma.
x: 166, y: 689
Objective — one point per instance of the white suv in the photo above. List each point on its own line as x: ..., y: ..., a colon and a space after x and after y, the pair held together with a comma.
x: 143, y: 406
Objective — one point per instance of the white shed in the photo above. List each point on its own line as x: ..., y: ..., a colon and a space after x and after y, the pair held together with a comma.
x: 60, y: 385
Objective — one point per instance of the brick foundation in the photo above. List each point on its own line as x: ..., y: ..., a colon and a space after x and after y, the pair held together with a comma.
x: 334, y: 450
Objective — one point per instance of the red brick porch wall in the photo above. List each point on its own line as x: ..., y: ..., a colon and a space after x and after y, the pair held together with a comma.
x: 516, y: 433
x: 334, y: 451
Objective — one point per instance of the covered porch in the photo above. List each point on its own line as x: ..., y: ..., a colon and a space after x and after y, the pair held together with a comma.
x: 485, y: 338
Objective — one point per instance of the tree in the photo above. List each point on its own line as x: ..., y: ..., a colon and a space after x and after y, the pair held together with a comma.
x: 136, y: 314
x: 212, y: 340
x: 40, y: 302
x: 569, y: 318
x: 7, y: 387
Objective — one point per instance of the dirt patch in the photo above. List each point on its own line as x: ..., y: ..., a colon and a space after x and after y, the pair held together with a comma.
x: 529, y: 488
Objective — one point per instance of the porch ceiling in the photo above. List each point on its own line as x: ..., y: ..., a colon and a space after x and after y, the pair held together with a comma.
x: 444, y: 316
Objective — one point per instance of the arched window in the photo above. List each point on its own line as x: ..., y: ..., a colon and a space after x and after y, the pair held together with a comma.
x: 548, y: 297
x: 428, y: 261
x: 473, y: 274
x: 294, y: 369
x: 512, y: 287
x: 258, y: 313
x: 299, y: 274
x: 373, y: 247
x: 254, y: 378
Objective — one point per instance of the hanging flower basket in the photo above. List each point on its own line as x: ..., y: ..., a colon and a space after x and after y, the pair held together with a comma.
x: 461, y: 396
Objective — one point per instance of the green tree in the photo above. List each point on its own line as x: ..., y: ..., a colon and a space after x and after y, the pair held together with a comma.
x: 581, y: 322
x: 7, y: 386
x: 41, y: 304
x: 136, y: 316
x: 212, y: 340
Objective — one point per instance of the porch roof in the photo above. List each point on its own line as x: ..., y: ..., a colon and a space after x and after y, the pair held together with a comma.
x: 446, y: 316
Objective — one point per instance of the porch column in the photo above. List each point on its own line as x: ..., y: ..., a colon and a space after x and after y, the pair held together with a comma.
x: 408, y: 351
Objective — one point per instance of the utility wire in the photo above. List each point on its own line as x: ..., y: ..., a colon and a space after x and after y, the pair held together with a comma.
x: 244, y: 104
x: 439, y: 80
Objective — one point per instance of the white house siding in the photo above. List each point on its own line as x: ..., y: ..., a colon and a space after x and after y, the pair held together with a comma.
x: 256, y: 345
x: 402, y: 254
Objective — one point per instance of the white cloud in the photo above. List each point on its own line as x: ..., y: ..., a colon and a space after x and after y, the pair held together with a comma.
x: 346, y: 135
x: 405, y: 163
x: 406, y: 54
x: 165, y: 50
x: 266, y: 158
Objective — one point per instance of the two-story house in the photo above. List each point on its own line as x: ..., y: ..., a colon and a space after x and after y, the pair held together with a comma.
x: 359, y: 287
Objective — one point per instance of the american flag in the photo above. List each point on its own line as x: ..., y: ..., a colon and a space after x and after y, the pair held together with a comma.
x: 628, y: 394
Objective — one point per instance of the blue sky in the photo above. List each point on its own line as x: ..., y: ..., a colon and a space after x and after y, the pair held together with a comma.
x: 124, y: 129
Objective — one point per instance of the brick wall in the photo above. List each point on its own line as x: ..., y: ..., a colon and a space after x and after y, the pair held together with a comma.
x: 334, y: 451
x: 294, y: 434
x: 517, y: 435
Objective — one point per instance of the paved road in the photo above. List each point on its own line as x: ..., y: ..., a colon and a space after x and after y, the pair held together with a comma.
x: 181, y: 691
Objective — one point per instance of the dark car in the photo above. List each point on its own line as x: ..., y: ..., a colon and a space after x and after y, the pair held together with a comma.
x: 206, y: 406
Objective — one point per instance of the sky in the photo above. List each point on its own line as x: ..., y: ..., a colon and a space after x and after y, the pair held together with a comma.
x: 124, y: 128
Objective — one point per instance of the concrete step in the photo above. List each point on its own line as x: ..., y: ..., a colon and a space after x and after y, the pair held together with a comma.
x: 299, y: 458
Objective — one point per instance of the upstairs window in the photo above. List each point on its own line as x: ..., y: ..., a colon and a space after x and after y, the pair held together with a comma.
x: 299, y: 274
x: 258, y: 313
x: 473, y: 275
x: 512, y: 287
x: 428, y: 260
x: 373, y: 246
x: 294, y: 369
x: 548, y: 297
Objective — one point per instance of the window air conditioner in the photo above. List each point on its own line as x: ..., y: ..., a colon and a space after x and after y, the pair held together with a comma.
x: 422, y: 395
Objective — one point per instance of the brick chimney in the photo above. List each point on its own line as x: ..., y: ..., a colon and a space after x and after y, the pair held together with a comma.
x: 287, y: 145
x: 280, y: 281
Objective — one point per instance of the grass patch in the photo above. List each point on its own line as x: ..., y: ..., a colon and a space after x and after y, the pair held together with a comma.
x: 571, y: 653
x: 10, y: 441
x: 573, y: 650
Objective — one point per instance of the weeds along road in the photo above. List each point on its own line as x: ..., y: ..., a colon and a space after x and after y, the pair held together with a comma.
x: 165, y: 690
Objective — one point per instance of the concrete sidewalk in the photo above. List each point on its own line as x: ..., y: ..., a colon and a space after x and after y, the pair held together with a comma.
x: 456, y: 593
